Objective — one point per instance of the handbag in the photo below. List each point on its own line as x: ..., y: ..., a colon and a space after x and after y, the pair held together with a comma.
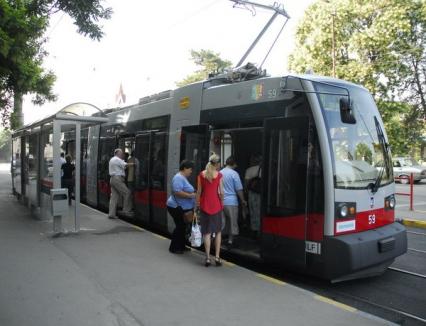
x: 188, y: 216
x: 196, y: 237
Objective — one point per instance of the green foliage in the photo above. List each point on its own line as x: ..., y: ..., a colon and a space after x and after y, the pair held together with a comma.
x: 5, y: 144
x: 210, y: 63
x: 380, y: 44
x: 22, y: 26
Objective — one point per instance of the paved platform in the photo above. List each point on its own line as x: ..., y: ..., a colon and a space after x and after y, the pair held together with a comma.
x: 113, y: 273
x: 415, y: 218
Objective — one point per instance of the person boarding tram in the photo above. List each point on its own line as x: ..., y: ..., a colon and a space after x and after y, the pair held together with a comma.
x: 210, y: 202
x: 232, y: 189
x: 117, y: 174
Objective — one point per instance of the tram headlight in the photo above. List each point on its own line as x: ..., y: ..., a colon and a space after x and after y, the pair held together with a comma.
x: 345, y: 210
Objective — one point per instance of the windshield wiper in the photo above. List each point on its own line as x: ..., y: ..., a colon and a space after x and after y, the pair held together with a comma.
x: 385, y: 148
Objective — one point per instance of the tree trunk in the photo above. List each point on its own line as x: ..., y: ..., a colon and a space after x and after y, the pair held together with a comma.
x: 419, y: 86
x: 17, y: 120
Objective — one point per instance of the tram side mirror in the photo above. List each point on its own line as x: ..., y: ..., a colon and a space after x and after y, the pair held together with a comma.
x: 346, y: 113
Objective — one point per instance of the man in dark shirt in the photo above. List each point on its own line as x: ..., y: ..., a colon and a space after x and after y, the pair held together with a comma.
x: 68, y: 176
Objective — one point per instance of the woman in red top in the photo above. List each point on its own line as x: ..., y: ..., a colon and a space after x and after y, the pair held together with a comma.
x: 210, y: 202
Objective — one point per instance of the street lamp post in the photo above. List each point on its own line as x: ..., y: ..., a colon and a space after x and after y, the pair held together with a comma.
x: 333, y: 38
x: 333, y: 44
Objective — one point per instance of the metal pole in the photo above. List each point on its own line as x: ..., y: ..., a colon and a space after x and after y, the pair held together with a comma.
x: 333, y: 45
x: 57, y: 220
x: 77, y: 176
x: 257, y: 39
x: 411, y: 191
x: 277, y: 7
x: 56, y: 154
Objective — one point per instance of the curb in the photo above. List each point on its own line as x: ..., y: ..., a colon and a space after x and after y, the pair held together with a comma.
x: 414, y: 223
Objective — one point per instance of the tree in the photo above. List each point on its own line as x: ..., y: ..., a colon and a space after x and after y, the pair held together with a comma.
x: 5, y: 145
x: 379, y: 44
x: 22, y: 26
x: 210, y: 63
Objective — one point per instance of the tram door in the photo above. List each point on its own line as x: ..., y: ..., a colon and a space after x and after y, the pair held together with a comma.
x: 284, y: 188
x: 195, y: 142
x: 107, y: 145
x: 150, y: 189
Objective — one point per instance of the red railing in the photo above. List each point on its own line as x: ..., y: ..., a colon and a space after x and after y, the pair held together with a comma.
x: 410, y: 194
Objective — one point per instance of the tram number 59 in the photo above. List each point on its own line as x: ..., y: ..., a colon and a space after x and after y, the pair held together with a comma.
x: 272, y: 93
x: 371, y: 219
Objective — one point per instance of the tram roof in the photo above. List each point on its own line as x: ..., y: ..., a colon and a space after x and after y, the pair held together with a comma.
x: 325, y: 79
x: 78, y: 112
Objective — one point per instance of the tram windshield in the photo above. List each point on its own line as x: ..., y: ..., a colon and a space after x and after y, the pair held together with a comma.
x: 358, y: 152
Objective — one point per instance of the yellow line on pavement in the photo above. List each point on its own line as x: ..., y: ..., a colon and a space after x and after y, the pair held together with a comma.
x: 159, y: 236
x: 138, y: 228
x: 228, y: 263
x: 414, y: 223
x: 271, y: 279
x: 335, y: 303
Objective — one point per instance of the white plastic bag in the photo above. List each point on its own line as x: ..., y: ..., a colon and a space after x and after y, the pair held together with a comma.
x: 196, y: 238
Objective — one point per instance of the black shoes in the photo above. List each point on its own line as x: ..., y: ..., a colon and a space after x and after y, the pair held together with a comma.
x: 177, y: 252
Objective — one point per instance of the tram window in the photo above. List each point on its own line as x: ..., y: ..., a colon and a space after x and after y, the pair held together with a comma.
x: 160, y: 123
x: 158, y: 173
x: 221, y: 144
x: 107, y: 146
x: 287, y: 172
x: 142, y: 151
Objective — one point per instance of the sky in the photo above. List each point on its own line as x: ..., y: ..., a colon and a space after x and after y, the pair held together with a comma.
x: 147, y: 44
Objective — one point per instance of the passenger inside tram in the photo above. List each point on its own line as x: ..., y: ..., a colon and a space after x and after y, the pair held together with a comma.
x: 245, y: 146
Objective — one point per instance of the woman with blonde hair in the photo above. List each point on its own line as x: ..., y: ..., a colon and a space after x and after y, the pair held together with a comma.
x: 210, y: 202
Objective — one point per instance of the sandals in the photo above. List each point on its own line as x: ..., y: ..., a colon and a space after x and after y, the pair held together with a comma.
x: 207, y: 263
x: 217, y: 261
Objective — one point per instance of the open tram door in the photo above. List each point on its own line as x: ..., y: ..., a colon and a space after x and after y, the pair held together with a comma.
x: 194, y: 146
x: 284, y: 189
x: 150, y: 184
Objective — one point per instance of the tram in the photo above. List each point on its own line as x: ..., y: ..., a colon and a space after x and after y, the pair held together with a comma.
x: 327, y: 197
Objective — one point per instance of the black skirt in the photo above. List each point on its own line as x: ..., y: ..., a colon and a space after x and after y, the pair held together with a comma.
x: 211, y: 223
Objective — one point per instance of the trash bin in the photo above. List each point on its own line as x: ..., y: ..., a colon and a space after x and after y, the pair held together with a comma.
x: 59, y: 199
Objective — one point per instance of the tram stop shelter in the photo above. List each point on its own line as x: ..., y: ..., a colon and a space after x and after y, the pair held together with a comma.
x: 36, y: 164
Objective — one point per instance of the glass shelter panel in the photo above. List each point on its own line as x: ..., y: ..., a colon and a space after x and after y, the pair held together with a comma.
x: 46, y: 164
x: 32, y: 166
x: 16, y: 165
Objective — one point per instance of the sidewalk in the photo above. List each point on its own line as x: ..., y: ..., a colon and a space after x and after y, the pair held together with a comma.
x: 116, y: 274
x: 414, y: 218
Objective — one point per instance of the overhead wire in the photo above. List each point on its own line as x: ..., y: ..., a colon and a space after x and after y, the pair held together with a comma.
x: 192, y: 14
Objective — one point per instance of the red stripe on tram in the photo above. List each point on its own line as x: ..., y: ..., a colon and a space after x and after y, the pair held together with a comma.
x: 158, y: 198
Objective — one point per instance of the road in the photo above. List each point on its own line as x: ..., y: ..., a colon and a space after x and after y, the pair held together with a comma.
x: 395, y: 296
